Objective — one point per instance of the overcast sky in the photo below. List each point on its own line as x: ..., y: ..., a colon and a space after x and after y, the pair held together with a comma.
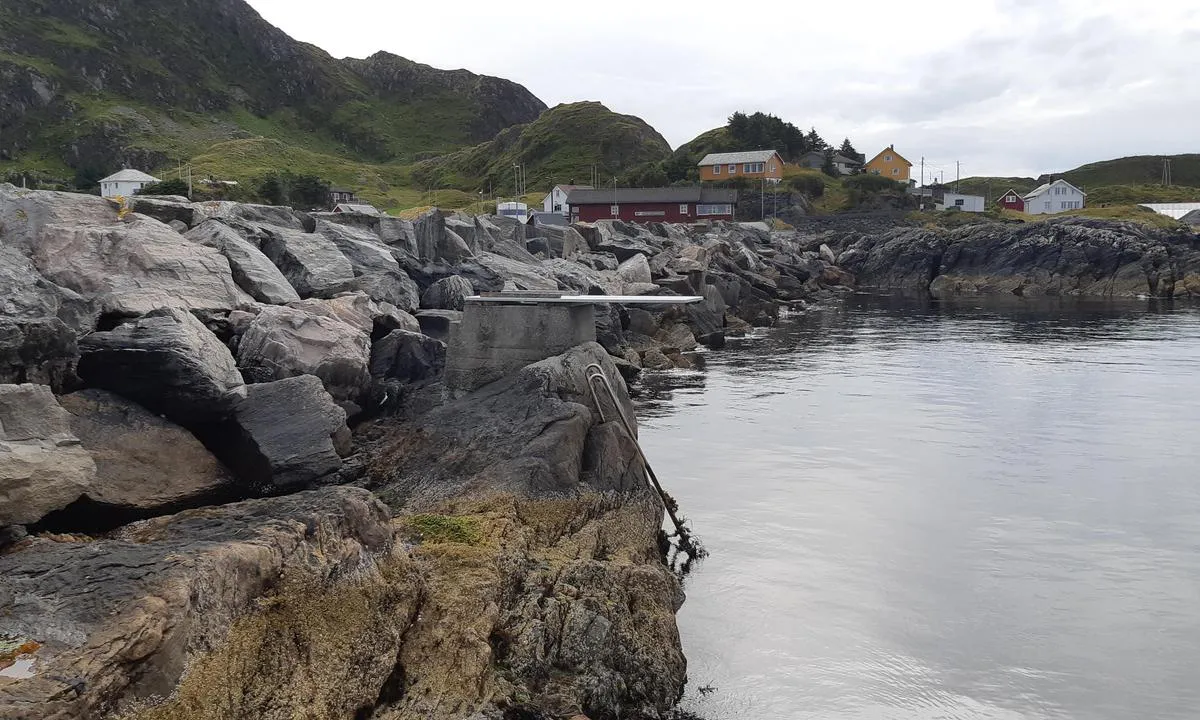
x: 1014, y: 87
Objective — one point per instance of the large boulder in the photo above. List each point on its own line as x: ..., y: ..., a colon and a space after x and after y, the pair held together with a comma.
x: 573, y: 277
x: 517, y: 275
x: 144, y: 463
x: 25, y: 294
x: 283, y: 217
x: 252, y: 270
x: 166, y: 210
x: 43, y: 466
x: 354, y: 309
x: 312, y: 263
x: 288, y: 594
x: 409, y: 357
x: 285, y: 342
x: 25, y: 214
x: 524, y: 434
x: 376, y: 269
x: 131, y: 268
x: 166, y: 361
x: 621, y: 239
x: 41, y: 351
x: 284, y: 434
x: 449, y: 293
x: 635, y: 270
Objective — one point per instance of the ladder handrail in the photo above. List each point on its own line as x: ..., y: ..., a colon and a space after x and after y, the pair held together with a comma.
x: 595, y: 371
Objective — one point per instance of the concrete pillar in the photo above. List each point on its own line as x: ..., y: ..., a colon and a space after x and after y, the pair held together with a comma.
x: 495, y: 339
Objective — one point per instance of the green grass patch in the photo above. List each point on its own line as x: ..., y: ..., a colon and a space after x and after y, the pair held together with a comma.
x: 434, y: 529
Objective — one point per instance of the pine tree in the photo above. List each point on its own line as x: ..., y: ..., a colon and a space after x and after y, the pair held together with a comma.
x: 849, y: 151
x: 814, y: 141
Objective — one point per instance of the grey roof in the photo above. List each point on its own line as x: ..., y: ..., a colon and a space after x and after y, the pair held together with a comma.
x: 547, y: 218
x: 620, y: 196
x: 1046, y: 186
x: 1192, y: 218
x: 356, y: 208
x: 736, y: 157
x: 837, y: 157
x: 130, y: 176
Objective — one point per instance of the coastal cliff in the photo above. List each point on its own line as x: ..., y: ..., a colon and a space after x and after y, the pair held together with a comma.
x: 1067, y: 256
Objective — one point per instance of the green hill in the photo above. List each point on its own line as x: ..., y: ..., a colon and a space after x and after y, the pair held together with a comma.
x: 1136, y: 170
x: 561, y: 146
x: 89, y: 87
x: 1128, y: 180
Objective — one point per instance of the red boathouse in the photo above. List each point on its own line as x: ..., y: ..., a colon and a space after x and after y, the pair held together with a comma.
x: 643, y: 205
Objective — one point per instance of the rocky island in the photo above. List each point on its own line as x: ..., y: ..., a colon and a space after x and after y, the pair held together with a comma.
x: 233, y: 483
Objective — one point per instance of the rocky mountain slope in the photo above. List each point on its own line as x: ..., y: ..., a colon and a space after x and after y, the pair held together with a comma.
x: 94, y: 85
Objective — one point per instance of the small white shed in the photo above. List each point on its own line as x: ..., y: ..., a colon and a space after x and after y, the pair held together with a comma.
x: 965, y: 203
x: 125, y: 183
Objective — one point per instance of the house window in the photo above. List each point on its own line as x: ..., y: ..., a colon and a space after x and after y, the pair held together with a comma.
x: 557, y: 207
x: 958, y: 203
x: 733, y: 169
x: 1046, y: 206
x: 714, y: 209
x: 683, y: 209
x: 772, y: 168
x: 887, y: 158
x: 614, y: 210
x: 716, y: 169
x: 895, y: 171
x: 752, y: 167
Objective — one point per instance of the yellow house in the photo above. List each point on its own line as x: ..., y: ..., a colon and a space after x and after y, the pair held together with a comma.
x: 890, y: 164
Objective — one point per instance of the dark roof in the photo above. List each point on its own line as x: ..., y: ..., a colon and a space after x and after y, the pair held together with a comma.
x: 631, y: 196
x: 341, y: 190
x: 547, y: 218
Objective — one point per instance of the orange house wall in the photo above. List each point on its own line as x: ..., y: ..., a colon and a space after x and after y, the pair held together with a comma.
x: 706, y: 172
x: 879, y: 166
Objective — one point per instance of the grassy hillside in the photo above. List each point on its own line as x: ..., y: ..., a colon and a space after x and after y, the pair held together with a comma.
x: 1137, y: 170
x: 1128, y: 180
x: 993, y: 186
x: 90, y: 87
x: 559, y: 147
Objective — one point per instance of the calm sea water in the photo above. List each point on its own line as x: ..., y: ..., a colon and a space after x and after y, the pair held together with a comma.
x: 932, y: 511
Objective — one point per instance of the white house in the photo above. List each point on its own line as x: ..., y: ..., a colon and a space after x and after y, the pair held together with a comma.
x: 965, y: 203
x: 125, y: 183
x: 1055, y: 197
x: 556, y: 200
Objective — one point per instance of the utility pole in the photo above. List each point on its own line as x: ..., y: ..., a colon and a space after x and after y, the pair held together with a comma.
x: 762, y: 199
x: 922, y: 171
x: 957, y: 174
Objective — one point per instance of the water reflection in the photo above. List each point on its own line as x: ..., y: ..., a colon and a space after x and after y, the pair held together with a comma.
x: 942, y: 510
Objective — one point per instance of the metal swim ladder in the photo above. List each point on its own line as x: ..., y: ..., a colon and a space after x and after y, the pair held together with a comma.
x: 687, y: 543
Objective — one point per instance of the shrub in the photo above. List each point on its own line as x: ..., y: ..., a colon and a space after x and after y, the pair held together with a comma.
x: 870, y: 183
x: 811, y: 185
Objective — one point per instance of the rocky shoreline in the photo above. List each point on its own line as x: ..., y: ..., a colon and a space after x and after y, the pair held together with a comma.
x: 234, y: 485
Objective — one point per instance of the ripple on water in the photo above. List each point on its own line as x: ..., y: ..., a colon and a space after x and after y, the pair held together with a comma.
x: 921, y: 511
